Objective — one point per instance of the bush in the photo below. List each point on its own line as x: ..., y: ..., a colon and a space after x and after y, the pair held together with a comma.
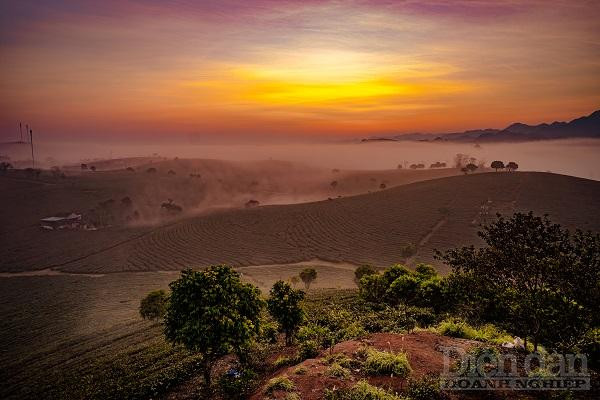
x: 280, y: 383
x: 361, y: 391
x: 386, y: 363
x: 342, y: 360
x: 457, y: 329
x: 283, y: 361
x: 337, y: 371
x: 268, y: 332
x: 300, y: 371
x: 317, y: 333
x: 154, y: 305
x: 424, y: 388
x: 308, y: 349
x: 237, y: 385
x: 461, y: 329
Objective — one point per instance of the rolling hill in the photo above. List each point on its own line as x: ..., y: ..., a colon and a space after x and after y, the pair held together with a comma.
x: 371, y: 228
x: 214, y: 184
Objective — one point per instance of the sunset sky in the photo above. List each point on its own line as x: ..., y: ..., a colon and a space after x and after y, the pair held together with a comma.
x: 131, y: 69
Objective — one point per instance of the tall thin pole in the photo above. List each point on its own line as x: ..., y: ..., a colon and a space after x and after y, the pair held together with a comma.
x: 21, y: 131
x: 31, y: 140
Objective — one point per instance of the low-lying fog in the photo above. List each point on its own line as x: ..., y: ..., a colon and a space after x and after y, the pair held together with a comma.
x: 571, y: 157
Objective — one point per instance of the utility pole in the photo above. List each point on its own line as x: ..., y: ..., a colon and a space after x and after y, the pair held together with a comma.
x: 31, y: 140
x: 21, y: 131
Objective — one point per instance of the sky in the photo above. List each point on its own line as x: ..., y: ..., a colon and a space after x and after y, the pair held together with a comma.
x: 240, y: 70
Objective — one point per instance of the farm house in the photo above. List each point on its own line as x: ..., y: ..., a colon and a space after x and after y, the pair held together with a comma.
x: 67, y: 221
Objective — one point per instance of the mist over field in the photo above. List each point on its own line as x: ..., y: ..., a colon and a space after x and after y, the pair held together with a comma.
x: 576, y: 157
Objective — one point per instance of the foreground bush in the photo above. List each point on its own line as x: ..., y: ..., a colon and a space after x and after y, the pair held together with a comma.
x: 280, y: 383
x: 386, y: 363
x: 361, y: 391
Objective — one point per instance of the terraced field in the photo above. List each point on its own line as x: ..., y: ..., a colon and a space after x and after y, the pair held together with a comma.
x: 370, y: 228
x: 24, y: 201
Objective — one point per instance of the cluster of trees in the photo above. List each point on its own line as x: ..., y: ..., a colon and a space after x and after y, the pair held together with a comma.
x: 214, y: 313
x: 422, y: 287
x: 171, y: 207
x: 438, y: 165
x: 533, y: 278
x: 510, y: 166
x: 417, y: 166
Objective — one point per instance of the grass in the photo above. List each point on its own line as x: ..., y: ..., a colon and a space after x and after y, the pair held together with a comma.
x: 386, y: 363
x: 280, y: 383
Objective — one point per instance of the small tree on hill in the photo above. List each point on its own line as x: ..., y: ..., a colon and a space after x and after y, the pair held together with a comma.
x: 212, y: 312
x: 93, y: 168
x: 154, y: 305
x: 497, y: 165
x: 308, y: 275
x: 512, y: 166
x: 84, y: 166
x: 284, y: 306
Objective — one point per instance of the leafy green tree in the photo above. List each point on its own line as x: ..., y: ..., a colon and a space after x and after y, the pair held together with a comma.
x: 212, y: 312
x: 308, y: 275
x: 534, y: 277
x: 362, y: 271
x: 284, y: 305
x: 154, y: 305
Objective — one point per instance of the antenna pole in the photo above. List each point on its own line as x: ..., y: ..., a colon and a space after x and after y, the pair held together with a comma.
x: 31, y: 140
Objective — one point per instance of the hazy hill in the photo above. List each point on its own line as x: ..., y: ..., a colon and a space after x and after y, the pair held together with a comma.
x: 583, y: 127
x: 196, y: 185
x: 371, y: 228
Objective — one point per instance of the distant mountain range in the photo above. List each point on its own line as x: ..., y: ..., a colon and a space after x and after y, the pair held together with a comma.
x: 584, y: 127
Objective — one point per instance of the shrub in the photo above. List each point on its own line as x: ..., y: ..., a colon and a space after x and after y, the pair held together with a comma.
x: 317, y: 333
x: 279, y: 383
x: 337, y: 371
x: 386, y: 363
x: 362, y: 271
x: 154, y: 305
x: 283, y: 361
x: 300, y: 371
x: 361, y: 391
x: 308, y: 349
x: 342, y: 360
x: 424, y: 388
x: 292, y: 396
x: 308, y: 275
x: 268, y: 332
x: 457, y: 329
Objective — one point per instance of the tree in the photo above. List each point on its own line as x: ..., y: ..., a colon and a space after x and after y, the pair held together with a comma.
x: 93, y: 168
x: 284, y: 305
x: 512, y: 166
x: 84, y: 166
x: 294, y: 281
x: 308, y: 275
x: 497, y: 165
x: 334, y: 184
x: 533, y: 277
x: 154, y: 305
x: 212, y: 312
x: 151, y: 170
x: 362, y: 271
x: 471, y: 167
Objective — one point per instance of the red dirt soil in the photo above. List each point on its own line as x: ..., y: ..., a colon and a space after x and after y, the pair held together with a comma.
x: 423, y: 349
